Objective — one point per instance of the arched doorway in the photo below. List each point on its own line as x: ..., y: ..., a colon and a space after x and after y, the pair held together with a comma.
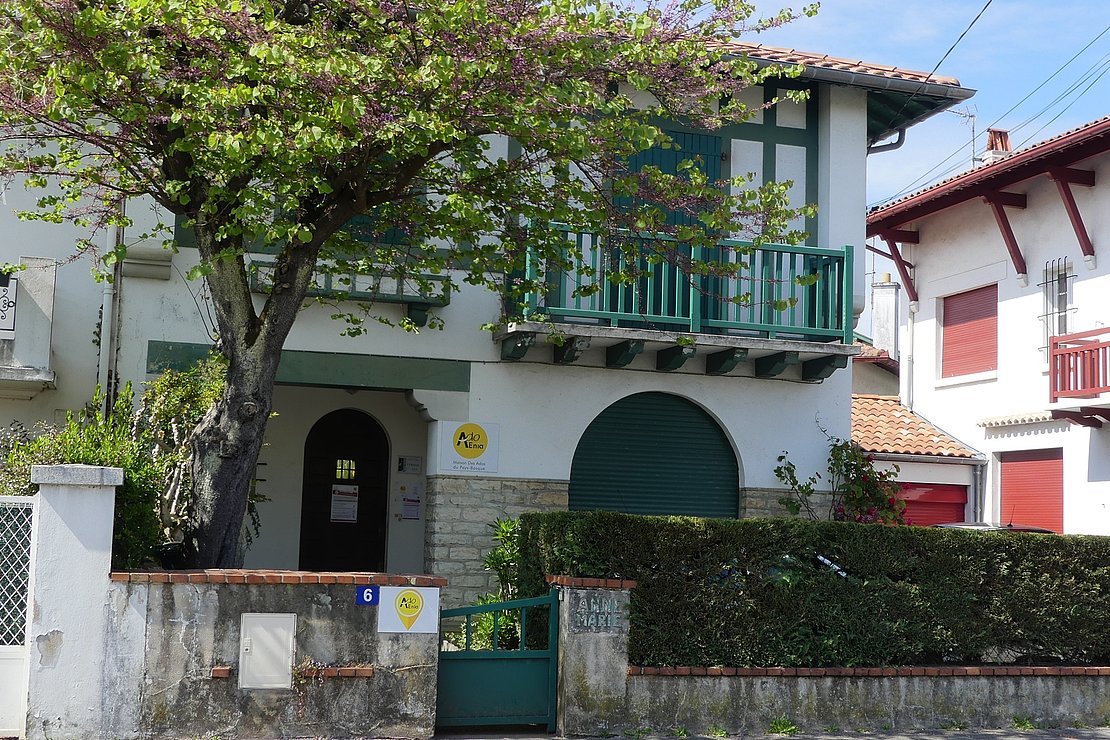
x: 654, y: 453
x: 344, y: 496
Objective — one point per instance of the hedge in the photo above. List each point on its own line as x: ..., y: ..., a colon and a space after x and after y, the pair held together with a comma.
x: 791, y: 592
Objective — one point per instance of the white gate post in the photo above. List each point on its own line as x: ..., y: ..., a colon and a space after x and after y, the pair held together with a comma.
x: 71, y: 560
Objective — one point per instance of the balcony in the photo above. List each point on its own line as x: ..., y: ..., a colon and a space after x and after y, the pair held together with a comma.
x: 1079, y: 370
x: 758, y: 313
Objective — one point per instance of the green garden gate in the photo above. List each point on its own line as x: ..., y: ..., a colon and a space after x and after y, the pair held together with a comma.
x: 503, y: 672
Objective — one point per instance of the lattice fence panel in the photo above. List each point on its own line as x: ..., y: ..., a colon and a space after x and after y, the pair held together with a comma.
x: 15, y: 565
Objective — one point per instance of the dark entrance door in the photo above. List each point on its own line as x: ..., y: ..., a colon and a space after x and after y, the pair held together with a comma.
x: 344, y: 497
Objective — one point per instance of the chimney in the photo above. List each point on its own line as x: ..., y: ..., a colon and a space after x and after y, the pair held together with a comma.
x: 998, y: 145
x: 884, y: 315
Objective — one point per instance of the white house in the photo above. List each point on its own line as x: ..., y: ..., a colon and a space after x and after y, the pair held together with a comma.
x: 1005, y: 342
x: 394, y: 451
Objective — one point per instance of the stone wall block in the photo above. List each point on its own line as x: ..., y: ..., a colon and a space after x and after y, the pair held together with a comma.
x: 593, y: 661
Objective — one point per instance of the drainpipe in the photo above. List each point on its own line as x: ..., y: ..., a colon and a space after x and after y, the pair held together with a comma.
x: 109, y: 310
x: 896, y: 144
x: 977, y: 493
x: 907, y: 358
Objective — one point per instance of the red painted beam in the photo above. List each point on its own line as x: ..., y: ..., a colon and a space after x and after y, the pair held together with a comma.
x: 1074, y: 216
x: 1013, y: 200
x: 888, y: 255
x: 1086, y: 178
x: 1008, y: 237
x: 905, y: 236
x: 1095, y: 411
x: 1076, y: 417
x: 903, y: 267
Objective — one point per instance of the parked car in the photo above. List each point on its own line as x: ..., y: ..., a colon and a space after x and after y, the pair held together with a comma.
x: 989, y: 527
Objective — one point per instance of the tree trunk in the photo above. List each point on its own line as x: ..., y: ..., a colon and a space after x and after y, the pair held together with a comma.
x: 229, y: 438
x: 225, y: 455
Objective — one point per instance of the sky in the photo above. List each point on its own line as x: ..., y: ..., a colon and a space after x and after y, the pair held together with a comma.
x: 1014, y: 47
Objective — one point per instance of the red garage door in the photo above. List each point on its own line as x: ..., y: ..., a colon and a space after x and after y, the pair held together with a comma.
x: 934, y: 503
x: 1033, y: 488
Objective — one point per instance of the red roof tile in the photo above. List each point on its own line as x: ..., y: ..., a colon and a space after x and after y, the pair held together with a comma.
x: 882, y: 424
x: 824, y: 61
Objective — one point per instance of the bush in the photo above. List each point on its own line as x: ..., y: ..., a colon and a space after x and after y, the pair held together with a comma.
x: 152, y: 444
x: 793, y: 592
x: 92, y: 437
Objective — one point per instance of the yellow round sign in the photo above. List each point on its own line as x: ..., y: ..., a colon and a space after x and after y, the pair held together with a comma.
x: 471, y: 441
x: 409, y: 604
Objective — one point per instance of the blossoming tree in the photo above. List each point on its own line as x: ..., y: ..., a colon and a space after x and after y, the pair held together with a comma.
x: 280, y: 121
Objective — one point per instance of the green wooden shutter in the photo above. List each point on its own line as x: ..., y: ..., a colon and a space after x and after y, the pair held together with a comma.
x: 690, y: 146
x: 654, y: 453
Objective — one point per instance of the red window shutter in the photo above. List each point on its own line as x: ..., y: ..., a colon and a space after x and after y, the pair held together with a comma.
x: 934, y: 503
x: 969, y: 332
x: 1033, y: 488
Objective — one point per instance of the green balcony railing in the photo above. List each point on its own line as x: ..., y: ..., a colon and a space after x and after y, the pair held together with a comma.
x: 665, y: 296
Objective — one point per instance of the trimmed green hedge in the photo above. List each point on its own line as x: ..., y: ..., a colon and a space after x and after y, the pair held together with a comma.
x: 756, y: 592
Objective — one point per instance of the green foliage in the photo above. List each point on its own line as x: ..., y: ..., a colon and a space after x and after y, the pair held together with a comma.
x: 363, y: 137
x: 782, y: 726
x: 504, y: 558
x: 166, y: 420
x: 93, y: 437
x: 1024, y: 723
x: 796, y: 592
x: 716, y: 731
x: 504, y: 561
x: 858, y: 491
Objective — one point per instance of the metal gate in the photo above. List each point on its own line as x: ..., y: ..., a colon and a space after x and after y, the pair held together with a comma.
x: 15, y: 568
x: 499, y: 666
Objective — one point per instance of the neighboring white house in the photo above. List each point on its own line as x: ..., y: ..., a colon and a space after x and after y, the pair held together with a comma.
x: 394, y: 451
x: 1005, y: 344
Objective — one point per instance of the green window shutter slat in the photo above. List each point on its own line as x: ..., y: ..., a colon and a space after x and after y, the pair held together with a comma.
x: 654, y: 453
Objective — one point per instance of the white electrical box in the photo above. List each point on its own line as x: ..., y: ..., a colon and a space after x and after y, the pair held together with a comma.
x: 266, y: 647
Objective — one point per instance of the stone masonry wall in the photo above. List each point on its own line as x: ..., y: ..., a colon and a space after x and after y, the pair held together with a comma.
x: 764, y: 502
x: 457, y: 532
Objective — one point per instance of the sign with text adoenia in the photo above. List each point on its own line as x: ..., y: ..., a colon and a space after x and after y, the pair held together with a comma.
x: 468, y: 447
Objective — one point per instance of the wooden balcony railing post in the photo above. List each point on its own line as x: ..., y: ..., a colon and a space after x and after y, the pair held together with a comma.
x: 847, y: 289
x: 698, y: 286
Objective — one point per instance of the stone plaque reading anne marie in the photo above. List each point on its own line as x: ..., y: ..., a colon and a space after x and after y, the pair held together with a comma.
x: 597, y: 612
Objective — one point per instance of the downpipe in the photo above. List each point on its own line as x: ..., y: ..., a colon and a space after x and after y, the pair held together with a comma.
x: 109, y: 312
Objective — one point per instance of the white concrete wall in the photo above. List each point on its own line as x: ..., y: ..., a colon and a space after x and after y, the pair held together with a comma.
x: 298, y: 409
x: 962, y: 249
x: 77, y: 300
x: 72, y: 542
x: 842, y: 177
x: 544, y: 409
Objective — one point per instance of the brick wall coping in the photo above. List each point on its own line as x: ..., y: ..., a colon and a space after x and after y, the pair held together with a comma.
x: 900, y: 671
x: 238, y: 575
x: 361, y: 670
x: 575, y: 582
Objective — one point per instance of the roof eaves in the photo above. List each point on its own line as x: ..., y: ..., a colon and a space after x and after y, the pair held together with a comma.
x: 1084, y: 142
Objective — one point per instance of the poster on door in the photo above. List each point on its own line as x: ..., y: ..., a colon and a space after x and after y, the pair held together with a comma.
x: 344, y: 503
x: 469, y: 447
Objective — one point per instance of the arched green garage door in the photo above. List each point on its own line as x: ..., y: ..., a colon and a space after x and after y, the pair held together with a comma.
x: 654, y: 453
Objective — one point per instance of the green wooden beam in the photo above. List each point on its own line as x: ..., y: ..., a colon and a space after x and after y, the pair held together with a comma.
x: 621, y: 354
x: 330, y: 369
x: 723, y: 362
x: 820, y: 368
x: 772, y: 365
x: 571, y: 349
x: 515, y: 347
x: 672, y: 358
x: 417, y: 313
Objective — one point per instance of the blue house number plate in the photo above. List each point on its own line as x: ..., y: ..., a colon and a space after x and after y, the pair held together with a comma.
x: 366, y: 595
